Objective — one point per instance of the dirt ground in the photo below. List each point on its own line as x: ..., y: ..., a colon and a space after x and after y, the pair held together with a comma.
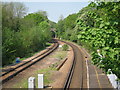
x: 58, y: 77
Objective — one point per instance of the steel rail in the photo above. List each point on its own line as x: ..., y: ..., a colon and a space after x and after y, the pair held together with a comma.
x: 5, y: 77
x: 78, y: 75
x: 71, y: 71
x: 68, y: 82
x: 21, y: 64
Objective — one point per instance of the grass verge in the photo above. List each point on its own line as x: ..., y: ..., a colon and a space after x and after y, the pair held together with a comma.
x: 48, y: 72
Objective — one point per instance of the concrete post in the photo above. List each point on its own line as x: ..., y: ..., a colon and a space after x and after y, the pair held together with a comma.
x: 31, y: 83
x: 40, y: 81
x: 113, y: 78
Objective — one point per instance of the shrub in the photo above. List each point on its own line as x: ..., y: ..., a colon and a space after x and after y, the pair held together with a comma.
x: 65, y: 47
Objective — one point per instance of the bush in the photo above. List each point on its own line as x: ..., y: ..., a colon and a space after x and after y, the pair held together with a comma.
x: 65, y: 47
x: 23, y: 43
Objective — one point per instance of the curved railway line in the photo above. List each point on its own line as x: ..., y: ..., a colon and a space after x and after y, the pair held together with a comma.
x: 78, y: 75
x: 5, y: 76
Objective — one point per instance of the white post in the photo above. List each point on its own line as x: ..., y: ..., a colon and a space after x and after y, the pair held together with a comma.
x: 113, y: 78
x: 31, y: 83
x: 40, y: 81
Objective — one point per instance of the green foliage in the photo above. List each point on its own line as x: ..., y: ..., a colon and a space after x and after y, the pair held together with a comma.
x: 36, y: 17
x: 100, y: 29
x: 65, y: 47
x: 12, y: 12
x: 33, y: 33
x: 69, y: 22
x: 60, y: 28
x: 97, y: 27
x: 64, y: 27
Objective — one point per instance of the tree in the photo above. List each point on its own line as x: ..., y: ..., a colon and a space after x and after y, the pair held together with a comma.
x: 61, y: 17
x: 60, y: 28
x: 96, y: 27
x: 44, y: 13
x: 12, y: 12
x: 70, y: 21
x: 36, y: 17
x: 19, y: 10
x: 22, y: 35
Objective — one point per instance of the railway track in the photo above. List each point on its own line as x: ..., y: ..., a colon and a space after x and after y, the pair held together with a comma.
x: 5, y: 76
x: 83, y: 75
x: 77, y: 77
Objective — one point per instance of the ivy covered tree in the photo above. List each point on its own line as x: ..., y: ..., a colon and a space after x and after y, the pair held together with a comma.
x: 97, y: 28
x: 100, y: 28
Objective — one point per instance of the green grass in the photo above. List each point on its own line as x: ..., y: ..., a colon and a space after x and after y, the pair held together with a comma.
x: 60, y: 55
x: 22, y: 84
x: 65, y: 47
x: 48, y: 44
x: 47, y: 74
x: 84, y: 45
x: 23, y: 58
x: 1, y: 67
x: 46, y: 71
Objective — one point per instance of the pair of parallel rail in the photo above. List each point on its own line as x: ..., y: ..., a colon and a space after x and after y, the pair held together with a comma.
x: 76, y: 77
x: 76, y: 74
x: 5, y: 76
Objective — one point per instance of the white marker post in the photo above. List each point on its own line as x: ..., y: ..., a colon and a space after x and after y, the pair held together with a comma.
x: 60, y: 46
x: 113, y: 78
x: 40, y: 81
x: 31, y: 83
